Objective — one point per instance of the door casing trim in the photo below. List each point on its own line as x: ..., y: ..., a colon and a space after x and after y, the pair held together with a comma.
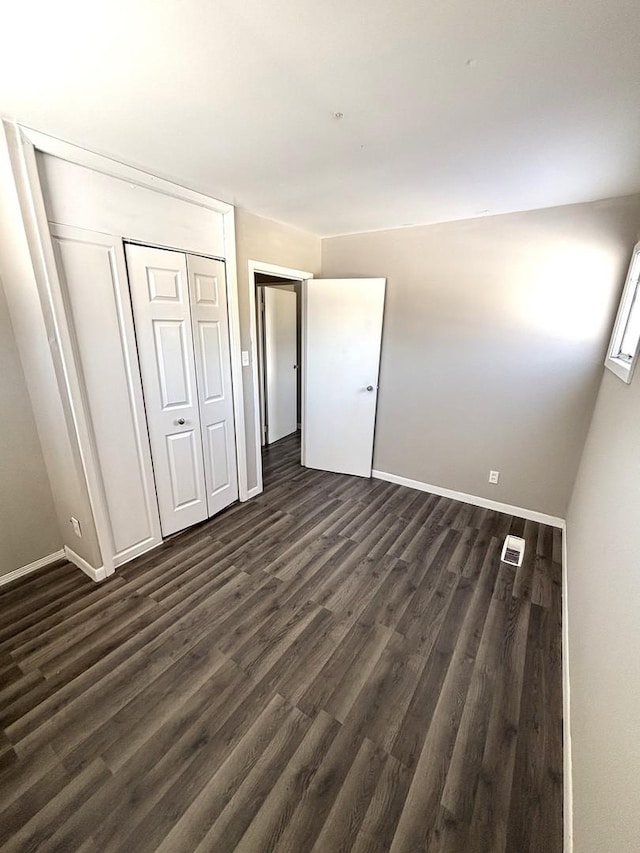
x: 278, y: 272
x: 23, y: 143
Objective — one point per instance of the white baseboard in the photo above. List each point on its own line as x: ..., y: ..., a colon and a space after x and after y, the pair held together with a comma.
x: 95, y: 574
x: 518, y: 511
x: 32, y: 567
x: 567, y: 770
x: 133, y: 553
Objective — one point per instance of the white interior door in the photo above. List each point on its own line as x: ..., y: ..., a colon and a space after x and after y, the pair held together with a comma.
x: 341, y: 357
x: 160, y: 299
x: 280, y: 351
x: 208, y: 288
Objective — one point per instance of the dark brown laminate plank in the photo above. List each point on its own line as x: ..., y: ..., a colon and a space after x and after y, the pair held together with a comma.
x: 340, y: 664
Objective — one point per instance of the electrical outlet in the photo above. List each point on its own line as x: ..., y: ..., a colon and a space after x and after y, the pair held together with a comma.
x: 494, y: 476
x: 76, y: 527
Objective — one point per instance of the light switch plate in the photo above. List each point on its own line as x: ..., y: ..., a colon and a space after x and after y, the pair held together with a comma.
x: 245, y: 358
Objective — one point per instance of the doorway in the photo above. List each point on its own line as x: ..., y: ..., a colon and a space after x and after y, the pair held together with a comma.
x: 263, y: 275
x: 340, y: 332
x: 278, y: 306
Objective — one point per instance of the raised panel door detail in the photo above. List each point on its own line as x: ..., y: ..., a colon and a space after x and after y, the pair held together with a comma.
x: 207, y: 289
x: 217, y: 440
x: 211, y: 343
x: 164, y: 285
x: 164, y: 334
x: 183, y: 465
x: 171, y: 359
x: 210, y: 323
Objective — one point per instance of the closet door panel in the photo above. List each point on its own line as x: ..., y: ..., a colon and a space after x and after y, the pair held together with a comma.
x: 93, y: 278
x: 207, y: 283
x: 217, y: 445
x: 172, y: 363
x: 160, y: 298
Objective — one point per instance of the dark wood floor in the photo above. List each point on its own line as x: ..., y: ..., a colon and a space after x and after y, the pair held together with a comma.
x: 338, y: 665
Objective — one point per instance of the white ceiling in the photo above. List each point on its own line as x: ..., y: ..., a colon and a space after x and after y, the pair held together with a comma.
x: 452, y: 108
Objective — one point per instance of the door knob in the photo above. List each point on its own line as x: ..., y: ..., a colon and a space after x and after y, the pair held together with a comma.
x: 369, y: 387
x: 180, y: 421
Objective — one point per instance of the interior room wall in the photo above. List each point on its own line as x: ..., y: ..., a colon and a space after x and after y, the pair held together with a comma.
x: 603, y: 569
x: 28, y: 526
x: 260, y: 239
x: 494, y: 335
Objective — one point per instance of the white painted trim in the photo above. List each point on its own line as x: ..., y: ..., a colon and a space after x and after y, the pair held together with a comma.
x: 135, y: 551
x: 304, y: 295
x: 254, y: 492
x: 27, y: 180
x: 519, y: 512
x: 23, y: 144
x: 262, y: 397
x: 235, y: 347
x: 31, y: 567
x: 567, y: 774
x: 622, y: 369
x: 95, y: 574
x: 278, y: 272
x: 122, y: 301
x: 106, y: 165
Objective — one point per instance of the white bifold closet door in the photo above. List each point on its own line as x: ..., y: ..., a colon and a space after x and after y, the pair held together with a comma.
x: 210, y: 323
x: 182, y: 332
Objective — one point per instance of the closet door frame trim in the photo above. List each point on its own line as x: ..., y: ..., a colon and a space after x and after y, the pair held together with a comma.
x: 123, y: 309
x: 23, y: 143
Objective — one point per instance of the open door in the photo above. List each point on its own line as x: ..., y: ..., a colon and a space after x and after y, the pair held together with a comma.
x: 280, y: 356
x: 342, y: 337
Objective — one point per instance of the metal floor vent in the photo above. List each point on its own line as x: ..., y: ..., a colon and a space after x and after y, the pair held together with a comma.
x: 513, y: 550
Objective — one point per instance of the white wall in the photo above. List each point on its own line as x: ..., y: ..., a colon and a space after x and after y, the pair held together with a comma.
x: 603, y: 537
x: 494, y: 335
x: 260, y: 239
x: 28, y: 526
